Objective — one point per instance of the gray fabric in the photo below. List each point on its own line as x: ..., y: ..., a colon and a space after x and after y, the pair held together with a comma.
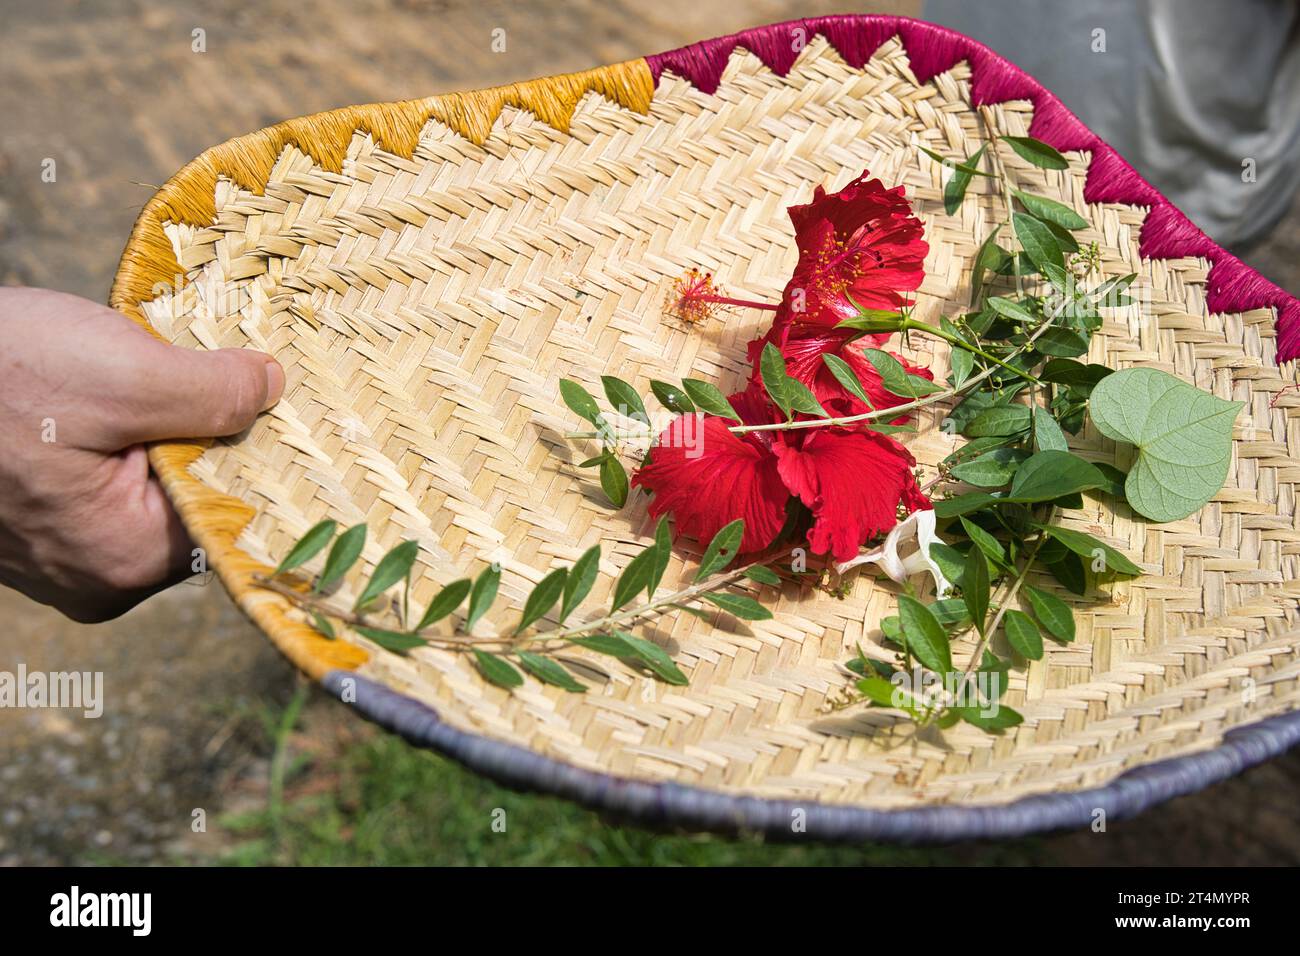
x: 673, y: 804
x: 1185, y: 90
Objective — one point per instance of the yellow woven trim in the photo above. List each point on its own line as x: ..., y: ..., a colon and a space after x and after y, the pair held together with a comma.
x: 189, y: 196
x: 216, y: 520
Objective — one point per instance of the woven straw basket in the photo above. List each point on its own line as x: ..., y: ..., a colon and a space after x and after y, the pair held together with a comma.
x: 427, y: 271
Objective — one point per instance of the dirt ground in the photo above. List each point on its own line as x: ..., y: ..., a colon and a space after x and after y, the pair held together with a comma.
x: 116, y: 94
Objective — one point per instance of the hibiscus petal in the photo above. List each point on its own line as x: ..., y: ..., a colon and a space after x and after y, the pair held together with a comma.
x: 852, y: 481
x: 707, y: 477
x: 858, y: 247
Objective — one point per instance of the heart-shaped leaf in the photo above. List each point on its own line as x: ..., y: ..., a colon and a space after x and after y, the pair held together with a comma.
x: 1183, y: 438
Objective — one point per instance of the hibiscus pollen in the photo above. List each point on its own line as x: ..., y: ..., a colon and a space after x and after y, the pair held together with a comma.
x: 694, y: 299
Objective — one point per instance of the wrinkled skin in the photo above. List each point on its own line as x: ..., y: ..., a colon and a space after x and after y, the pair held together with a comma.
x: 84, y: 524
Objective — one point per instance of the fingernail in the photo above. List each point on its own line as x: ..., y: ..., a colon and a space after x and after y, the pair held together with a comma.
x: 274, y: 383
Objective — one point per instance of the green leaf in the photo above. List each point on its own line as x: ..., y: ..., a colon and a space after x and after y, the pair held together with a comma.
x: 953, y: 565
x: 1036, y: 151
x: 1049, y: 210
x: 580, y: 579
x: 962, y: 363
x: 845, y: 375
x: 975, y: 587
x: 1004, y: 420
x: 763, y: 575
x: 1053, y: 474
x: 897, y: 379
x: 1114, y: 480
x: 446, y: 601
x: 579, y: 400
x: 672, y: 398
x: 992, y: 469
x: 1109, y: 294
x: 482, y: 594
x: 399, y: 642
x: 966, y: 168
x: 342, y: 556
x: 1061, y: 371
x: 1047, y: 434
x: 1037, y: 240
x: 709, y: 399
x: 955, y: 191
x: 610, y: 644
x: 498, y: 670
x: 1023, y: 635
x: 1062, y: 343
x: 1012, y: 310
x: 892, y: 628
x: 789, y: 394
x: 924, y: 634
x: 624, y: 399
x: 613, y: 480
x: 1053, y: 613
x: 722, y: 549
x: 951, y: 612
x: 1069, y: 571
x: 964, y: 504
x: 663, y: 551
x: 322, y: 624
x: 392, y: 567
x: 655, y: 658
x: 549, y: 672
x: 1064, y: 240
x: 543, y: 597
x: 1183, y: 438
x: 738, y: 605
x: 1086, y: 546
x: 636, y: 577
x: 985, y: 542
x: 988, y: 258
x: 878, y: 690
x: 993, y: 666
x: 308, y: 546
x: 1003, y: 718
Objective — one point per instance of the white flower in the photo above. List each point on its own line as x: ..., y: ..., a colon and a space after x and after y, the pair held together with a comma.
x: 906, y: 552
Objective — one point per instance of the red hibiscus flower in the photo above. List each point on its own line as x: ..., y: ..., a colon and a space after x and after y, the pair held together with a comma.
x: 851, y: 480
x: 859, y: 245
x: 859, y: 248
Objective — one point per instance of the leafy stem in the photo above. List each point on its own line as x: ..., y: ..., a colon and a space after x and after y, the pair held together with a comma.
x: 957, y: 340
x: 1007, y: 598
x: 896, y: 410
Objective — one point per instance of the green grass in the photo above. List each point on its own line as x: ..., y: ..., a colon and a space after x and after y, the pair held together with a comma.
x: 397, y: 805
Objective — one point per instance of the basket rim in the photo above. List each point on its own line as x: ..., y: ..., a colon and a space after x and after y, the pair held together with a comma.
x: 690, y: 807
x: 215, y: 520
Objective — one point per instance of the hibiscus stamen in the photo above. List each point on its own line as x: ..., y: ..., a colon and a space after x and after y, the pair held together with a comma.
x: 694, y: 298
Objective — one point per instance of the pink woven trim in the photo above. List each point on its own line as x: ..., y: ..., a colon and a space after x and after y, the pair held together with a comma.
x: 1167, y: 233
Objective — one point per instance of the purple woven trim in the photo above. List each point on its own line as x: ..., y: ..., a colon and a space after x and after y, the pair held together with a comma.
x: 696, y: 808
x: 1167, y: 233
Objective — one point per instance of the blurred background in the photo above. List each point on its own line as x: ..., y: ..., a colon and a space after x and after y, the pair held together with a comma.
x: 201, y: 713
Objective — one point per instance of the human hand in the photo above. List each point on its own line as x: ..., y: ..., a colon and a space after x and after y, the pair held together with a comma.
x: 84, y: 523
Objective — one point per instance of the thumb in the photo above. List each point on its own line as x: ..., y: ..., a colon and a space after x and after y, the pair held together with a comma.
x: 187, y: 393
